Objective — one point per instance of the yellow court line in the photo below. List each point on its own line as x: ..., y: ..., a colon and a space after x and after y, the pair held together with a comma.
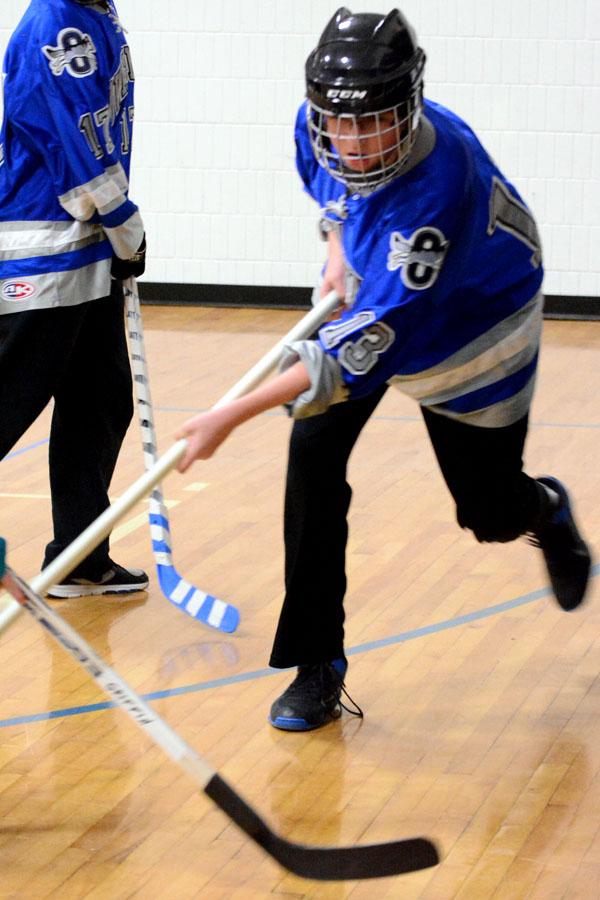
x: 128, y: 527
x: 196, y: 486
x: 119, y: 532
x: 168, y: 503
x: 133, y: 524
x: 27, y: 496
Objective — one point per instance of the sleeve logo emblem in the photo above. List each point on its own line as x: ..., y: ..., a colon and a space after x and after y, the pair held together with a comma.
x: 75, y: 52
x: 420, y: 258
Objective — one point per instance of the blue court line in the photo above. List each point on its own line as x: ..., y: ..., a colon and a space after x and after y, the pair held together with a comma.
x: 26, y: 449
x: 401, y: 638
x: 196, y: 409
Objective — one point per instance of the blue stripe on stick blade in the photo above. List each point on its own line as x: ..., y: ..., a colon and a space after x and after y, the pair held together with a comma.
x: 160, y: 547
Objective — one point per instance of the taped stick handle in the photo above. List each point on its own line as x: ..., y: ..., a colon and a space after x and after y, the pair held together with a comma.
x: 103, y: 525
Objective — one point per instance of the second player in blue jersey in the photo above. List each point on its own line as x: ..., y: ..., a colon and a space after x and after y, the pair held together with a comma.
x: 439, y: 263
x: 69, y: 234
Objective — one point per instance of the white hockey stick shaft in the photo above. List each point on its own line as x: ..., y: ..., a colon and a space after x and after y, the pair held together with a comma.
x: 305, y: 327
x: 103, y: 525
x: 141, y: 381
x: 110, y: 682
x: 66, y: 561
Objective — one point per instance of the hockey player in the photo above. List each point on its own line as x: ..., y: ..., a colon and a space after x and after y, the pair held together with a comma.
x: 443, y: 262
x: 68, y: 236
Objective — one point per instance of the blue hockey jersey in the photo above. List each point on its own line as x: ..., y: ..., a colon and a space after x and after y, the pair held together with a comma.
x: 447, y: 263
x: 65, y: 148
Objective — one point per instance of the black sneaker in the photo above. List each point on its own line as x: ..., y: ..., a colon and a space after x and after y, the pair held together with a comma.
x: 312, y: 699
x: 116, y: 580
x: 566, y: 554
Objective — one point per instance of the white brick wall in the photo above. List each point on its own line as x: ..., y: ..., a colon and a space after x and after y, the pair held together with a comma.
x: 218, y: 86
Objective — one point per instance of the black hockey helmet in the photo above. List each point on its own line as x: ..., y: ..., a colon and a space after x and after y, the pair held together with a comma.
x: 365, y: 64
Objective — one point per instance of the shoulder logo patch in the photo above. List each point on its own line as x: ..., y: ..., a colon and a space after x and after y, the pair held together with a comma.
x: 420, y: 257
x: 75, y: 52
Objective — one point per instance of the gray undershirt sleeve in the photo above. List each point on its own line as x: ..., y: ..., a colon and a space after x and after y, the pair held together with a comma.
x: 326, y: 384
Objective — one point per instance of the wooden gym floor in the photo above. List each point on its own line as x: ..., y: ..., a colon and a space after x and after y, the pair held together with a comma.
x: 481, y: 698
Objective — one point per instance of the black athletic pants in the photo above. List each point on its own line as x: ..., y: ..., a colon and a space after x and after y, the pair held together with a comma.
x: 78, y: 355
x: 481, y: 466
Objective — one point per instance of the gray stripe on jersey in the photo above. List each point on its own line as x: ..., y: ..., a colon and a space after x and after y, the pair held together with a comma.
x: 126, y: 239
x: 33, y: 236
x: 499, y: 352
x: 499, y: 415
x: 100, y: 193
x: 88, y: 188
x: 112, y: 205
x: 96, y: 238
x: 61, y: 288
x: 115, y: 174
x: 520, y: 321
x: 508, y: 367
x: 42, y: 225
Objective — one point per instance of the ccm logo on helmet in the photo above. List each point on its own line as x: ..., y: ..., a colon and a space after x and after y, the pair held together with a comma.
x: 13, y: 291
x: 336, y: 93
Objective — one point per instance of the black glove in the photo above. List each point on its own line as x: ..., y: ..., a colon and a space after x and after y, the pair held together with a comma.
x: 135, y: 265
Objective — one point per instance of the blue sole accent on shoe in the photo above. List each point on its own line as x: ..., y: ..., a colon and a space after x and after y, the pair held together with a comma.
x: 285, y: 724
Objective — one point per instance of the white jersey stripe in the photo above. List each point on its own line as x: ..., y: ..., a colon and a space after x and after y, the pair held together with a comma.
x: 40, y: 238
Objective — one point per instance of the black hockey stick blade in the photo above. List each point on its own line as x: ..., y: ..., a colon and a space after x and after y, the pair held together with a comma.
x: 324, y: 863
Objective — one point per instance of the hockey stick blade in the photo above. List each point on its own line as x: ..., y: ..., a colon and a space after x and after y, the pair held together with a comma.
x: 205, y: 608
x: 319, y: 863
x: 194, y: 602
x: 324, y: 863
x: 197, y: 604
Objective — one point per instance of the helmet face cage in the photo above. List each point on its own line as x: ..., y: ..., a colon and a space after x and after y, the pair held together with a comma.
x: 390, y: 133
